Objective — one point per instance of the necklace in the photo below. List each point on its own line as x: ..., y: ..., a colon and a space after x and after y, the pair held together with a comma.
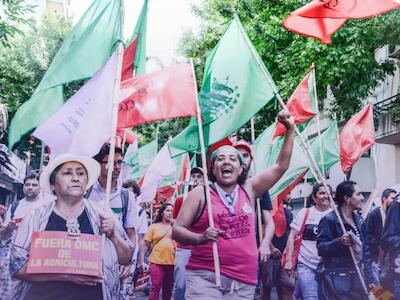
x: 73, y: 227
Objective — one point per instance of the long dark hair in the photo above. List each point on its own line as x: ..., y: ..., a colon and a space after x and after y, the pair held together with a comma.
x: 345, y: 188
x: 158, y: 218
x: 316, y: 187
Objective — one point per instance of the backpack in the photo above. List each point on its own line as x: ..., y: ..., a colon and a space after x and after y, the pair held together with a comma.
x: 124, y: 202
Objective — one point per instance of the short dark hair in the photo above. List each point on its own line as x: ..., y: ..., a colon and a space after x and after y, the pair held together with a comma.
x: 133, y: 184
x: 105, y: 150
x: 30, y: 176
x: 196, y: 170
x: 345, y: 188
x: 158, y: 218
x: 316, y: 187
x: 386, y: 193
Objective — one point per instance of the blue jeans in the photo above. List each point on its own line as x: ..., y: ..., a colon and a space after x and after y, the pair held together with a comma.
x: 181, y: 259
x: 307, y: 282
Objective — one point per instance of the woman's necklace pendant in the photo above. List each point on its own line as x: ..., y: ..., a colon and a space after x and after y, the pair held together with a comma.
x: 73, y: 231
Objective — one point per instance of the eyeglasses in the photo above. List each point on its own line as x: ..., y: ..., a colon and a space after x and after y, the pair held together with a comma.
x: 116, y: 162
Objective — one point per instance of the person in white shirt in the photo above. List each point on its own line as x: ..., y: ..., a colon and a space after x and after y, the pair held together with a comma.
x: 18, y: 210
x: 14, y: 217
x: 122, y: 202
x: 142, y: 227
x: 305, y: 224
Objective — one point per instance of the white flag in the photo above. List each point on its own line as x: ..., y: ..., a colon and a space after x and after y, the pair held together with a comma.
x: 83, y: 124
x: 162, y: 166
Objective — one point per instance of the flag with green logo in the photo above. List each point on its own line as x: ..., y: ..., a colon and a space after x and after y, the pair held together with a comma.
x: 234, y: 89
x: 87, y: 47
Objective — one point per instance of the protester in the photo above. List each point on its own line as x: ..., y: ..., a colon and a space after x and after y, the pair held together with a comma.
x: 122, y: 202
x: 68, y: 177
x: 339, y: 279
x: 32, y: 199
x: 139, y: 264
x: 302, y: 245
x: 373, y: 229
x: 183, y: 251
x: 265, y: 203
x: 232, y: 200
x: 273, y: 275
x: 13, y: 217
x: 391, y: 245
x: 162, y: 249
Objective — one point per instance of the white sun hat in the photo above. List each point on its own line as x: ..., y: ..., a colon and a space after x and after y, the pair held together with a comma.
x: 92, y: 167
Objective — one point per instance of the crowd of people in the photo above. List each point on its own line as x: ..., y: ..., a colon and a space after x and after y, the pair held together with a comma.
x: 310, y: 260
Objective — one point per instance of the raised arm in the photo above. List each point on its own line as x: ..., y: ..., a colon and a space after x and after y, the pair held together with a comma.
x: 258, y: 184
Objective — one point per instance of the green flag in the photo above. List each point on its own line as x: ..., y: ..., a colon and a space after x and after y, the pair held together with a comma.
x: 234, y: 89
x: 140, y: 34
x: 86, y: 48
x: 141, y: 160
x: 330, y: 147
x: 266, y: 154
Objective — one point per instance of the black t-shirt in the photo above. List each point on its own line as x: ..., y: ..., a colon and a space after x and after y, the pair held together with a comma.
x: 265, y: 201
x: 64, y: 290
x: 280, y: 242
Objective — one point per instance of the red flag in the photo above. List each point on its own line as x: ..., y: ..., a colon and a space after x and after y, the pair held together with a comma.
x: 164, y: 94
x: 184, y: 172
x: 130, y: 136
x: 128, y: 59
x: 357, y: 136
x: 321, y: 18
x: 301, y: 104
x: 278, y: 213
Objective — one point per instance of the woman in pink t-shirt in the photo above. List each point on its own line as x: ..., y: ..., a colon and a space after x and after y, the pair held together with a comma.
x: 232, y: 200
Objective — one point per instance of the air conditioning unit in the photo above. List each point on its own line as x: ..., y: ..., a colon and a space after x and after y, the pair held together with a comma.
x: 394, y: 51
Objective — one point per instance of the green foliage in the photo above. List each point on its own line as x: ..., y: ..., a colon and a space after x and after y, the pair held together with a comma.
x: 23, y: 62
x: 23, y: 65
x: 347, y: 66
x: 13, y: 15
x: 166, y: 129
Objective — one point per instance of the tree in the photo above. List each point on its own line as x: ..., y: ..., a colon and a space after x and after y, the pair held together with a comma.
x: 13, y: 15
x: 23, y: 62
x: 347, y: 66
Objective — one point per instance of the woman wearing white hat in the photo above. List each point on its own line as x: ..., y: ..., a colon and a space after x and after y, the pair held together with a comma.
x: 68, y: 177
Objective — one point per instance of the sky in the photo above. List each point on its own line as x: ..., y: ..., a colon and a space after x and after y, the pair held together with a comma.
x: 166, y: 20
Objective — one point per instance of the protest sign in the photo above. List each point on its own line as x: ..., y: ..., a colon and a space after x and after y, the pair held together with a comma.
x: 52, y: 252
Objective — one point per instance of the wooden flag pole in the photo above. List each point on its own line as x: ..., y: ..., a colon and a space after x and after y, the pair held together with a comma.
x: 111, y: 155
x: 206, y: 183
x: 258, y: 202
x: 321, y: 152
x: 308, y: 152
x: 110, y: 166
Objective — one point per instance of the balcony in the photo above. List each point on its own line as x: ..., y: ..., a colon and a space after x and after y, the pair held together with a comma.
x: 388, y: 130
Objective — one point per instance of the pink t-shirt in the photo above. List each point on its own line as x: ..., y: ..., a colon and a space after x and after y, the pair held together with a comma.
x: 237, y: 247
